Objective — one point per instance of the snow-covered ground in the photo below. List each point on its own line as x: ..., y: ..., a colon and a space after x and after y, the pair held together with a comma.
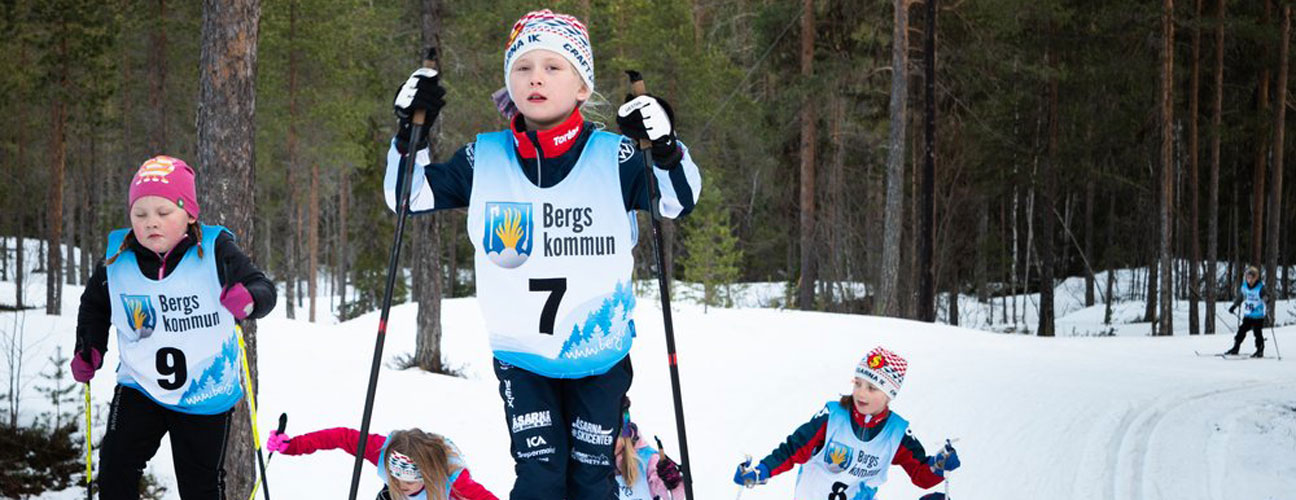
x: 1123, y: 417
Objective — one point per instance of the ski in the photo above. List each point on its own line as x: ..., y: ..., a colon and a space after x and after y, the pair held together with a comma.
x: 1234, y: 357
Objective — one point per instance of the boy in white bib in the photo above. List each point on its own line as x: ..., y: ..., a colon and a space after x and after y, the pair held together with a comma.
x: 846, y: 448
x: 551, y: 206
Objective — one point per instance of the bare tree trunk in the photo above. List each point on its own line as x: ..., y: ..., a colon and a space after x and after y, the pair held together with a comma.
x: 1262, y: 147
x: 1111, y: 263
x: 1167, y: 167
x: 90, y: 211
x: 225, y: 140
x: 805, y: 296
x: 344, y: 256
x: 157, y: 58
x: 1194, y: 88
x: 58, y: 160
x: 888, y: 303
x: 1088, y: 241
x: 427, y: 262
x: 70, y: 229
x: 1212, y: 203
x: 982, y: 254
x: 1276, y: 183
x: 1047, y: 213
x: 312, y: 238
x: 926, y: 305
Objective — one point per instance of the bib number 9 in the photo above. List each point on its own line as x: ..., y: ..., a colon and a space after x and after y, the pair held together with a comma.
x: 556, y: 288
x: 171, y: 363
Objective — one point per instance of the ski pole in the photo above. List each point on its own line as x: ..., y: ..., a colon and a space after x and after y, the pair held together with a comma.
x: 88, y: 446
x: 283, y: 424
x: 638, y: 88
x: 403, y: 186
x: 1274, y: 334
x: 256, y: 436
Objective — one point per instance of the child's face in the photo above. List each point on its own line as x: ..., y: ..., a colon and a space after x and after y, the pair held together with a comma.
x: 869, y: 400
x: 409, y: 488
x: 159, y: 223
x: 1252, y: 278
x: 546, y: 88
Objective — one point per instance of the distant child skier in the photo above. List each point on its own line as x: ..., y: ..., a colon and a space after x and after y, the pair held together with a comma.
x: 550, y: 213
x: 847, y: 447
x: 1252, y: 296
x: 414, y: 465
x: 173, y: 288
x: 642, y: 472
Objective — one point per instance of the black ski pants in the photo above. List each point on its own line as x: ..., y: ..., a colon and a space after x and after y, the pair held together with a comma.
x: 136, y: 425
x: 1250, y: 324
x: 563, y: 432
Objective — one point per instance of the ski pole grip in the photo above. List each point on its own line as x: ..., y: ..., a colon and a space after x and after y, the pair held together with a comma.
x: 283, y: 422
x: 430, y: 62
x: 638, y: 88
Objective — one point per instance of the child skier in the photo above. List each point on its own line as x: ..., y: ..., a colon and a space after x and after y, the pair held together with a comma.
x: 415, y: 465
x: 1252, y: 296
x: 547, y: 208
x: 847, y: 447
x: 643, y: 473
x: 174, y: 289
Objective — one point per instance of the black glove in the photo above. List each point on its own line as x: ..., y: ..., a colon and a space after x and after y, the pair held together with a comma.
x: 651, y: 117
x: 422, y: 91
x: 1233, y: 309
x: 668, y: 472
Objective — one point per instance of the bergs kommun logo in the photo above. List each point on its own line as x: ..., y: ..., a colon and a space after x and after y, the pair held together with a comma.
x: 140, y: 314
x: 509, y: 229
x: 837, y: 456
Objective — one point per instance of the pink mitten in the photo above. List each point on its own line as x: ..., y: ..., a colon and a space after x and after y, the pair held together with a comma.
x: 278, y: 442
x: 83, y: 370
x: 238, y: 300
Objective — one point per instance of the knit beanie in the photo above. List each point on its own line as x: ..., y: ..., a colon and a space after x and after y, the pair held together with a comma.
x: 402, y: 467
x: 560, y: 33
x: 169, y: 178
x: 884, y: 369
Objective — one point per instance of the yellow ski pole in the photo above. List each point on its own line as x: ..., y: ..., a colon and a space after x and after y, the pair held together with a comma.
x: 256, y: 436
x: 89, y: 450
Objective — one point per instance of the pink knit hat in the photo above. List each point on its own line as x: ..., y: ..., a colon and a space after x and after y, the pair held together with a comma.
x: 169, y: 178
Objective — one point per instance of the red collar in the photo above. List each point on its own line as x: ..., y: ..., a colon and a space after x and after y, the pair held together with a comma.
x: 553, y: 142
x: 874, y: 422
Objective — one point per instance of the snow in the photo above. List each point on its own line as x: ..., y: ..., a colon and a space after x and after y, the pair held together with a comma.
x: 1085, y: 416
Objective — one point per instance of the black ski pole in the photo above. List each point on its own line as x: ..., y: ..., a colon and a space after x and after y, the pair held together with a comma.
x: 403, y: 196
x: 283, y: 424
x: 638, y: 88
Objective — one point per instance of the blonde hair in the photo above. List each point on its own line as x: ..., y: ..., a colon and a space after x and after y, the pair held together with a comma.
x: 431, y: 453
x: 628, y: 465
x: 194, y: 231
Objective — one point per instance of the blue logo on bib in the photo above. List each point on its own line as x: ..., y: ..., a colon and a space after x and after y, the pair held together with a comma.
x: 509, y: 228
x: 837, y: 457
x: 140, y: 314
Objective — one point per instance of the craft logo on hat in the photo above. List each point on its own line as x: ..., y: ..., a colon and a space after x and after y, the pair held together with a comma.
x: 876, y: 361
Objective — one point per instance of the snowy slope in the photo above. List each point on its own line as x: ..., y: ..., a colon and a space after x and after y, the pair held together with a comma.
x: 1131, y: 417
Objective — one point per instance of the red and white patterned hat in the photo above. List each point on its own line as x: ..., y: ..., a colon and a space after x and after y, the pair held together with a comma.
x: 559, y: 33
x: 884, y: 369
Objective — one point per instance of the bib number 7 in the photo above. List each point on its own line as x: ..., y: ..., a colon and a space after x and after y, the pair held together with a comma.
x: 556, y: 287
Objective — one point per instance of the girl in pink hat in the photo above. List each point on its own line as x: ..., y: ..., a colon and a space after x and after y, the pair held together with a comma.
x: 173, y: 288
x: 846, y: 447
x: 550, y: 206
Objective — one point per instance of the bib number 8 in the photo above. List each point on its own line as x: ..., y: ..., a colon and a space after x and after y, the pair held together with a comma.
x: 556, y: 287
x: 171, y: 363
x: 838, y: 491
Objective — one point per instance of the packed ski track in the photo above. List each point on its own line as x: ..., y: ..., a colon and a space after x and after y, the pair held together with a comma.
x: 1102, y: 417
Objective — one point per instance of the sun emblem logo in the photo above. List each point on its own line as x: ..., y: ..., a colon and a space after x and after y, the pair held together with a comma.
x: 876, y: 361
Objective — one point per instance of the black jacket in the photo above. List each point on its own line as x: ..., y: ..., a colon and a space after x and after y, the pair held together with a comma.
x: 232, y: 266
